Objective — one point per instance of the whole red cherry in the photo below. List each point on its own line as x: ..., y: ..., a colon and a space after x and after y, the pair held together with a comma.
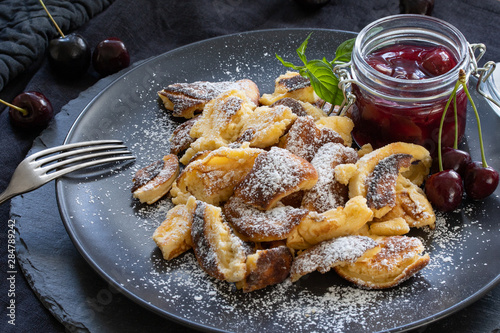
x: 437, y: 62
x: 444, y: 190
x: 110, y: 56
x: 36, y: 111
x: 455, y: 159
x: 69, y: 55
x: 479, y: 181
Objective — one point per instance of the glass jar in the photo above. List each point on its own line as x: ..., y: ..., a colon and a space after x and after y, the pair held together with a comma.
x: 389, y: 109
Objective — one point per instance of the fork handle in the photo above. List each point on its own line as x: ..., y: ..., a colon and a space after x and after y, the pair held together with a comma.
x: 6, y: 195
x: 16, y: 188
x: 11, y: 191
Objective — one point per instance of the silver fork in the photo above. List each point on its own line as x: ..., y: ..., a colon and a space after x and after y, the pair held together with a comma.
x: 49, y: 164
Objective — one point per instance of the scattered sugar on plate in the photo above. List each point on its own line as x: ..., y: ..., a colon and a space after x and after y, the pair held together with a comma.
x: 291, y: 307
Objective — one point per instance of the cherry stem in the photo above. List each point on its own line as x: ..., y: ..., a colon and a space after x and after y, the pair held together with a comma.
x: 453, y: 93
x: 455, y: 144
x: 52, y: 19
x: 24, y: 112
x: 483, y: 157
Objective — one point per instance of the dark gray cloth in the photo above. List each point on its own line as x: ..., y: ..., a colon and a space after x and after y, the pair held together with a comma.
x: 25, y: 29
x: 151, y: 27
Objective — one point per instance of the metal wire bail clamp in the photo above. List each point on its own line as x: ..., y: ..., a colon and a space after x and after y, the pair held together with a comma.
x: 482, y: 73
x: 345, y: 80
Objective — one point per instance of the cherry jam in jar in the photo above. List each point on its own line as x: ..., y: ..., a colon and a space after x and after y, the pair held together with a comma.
x: 404, y: 68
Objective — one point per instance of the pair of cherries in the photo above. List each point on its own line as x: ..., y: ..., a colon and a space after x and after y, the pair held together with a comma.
x: 70, y: 56
x: 460, y: 174
x: 457, y: 172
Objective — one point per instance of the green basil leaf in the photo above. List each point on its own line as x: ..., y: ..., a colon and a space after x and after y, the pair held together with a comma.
x: 328, y: 63
x: 288, y: 64
x: 320, y: 72
x: 344, y: 51
x: 301, y: 51
x: 324, y: 82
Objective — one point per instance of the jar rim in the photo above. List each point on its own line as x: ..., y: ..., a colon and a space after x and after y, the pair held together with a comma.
x: 451, y: 75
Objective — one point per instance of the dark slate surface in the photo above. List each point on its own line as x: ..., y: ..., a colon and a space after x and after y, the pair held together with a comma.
x: 54, y: 271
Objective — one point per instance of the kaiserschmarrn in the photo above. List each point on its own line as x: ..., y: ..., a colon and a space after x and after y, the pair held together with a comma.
x: 269, y: 188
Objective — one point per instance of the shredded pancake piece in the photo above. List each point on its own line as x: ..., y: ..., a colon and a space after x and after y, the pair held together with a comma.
x: 213, y: 176
x: 328, y: 254
x: 293, y: 104
x: 266, y: 126
x: 305, y: 138
x: 339, y: 124
x: 381, y: 183
x: 301, y: 109
x: 396, y: 226
x: 220, y: 123
x: 417, y: 210
x: 358, y: 175
x: 173, y: 236
x: 412, y: 208
x: 291, y: 84
x: 328, y: 193
x: 341, y: 221
x: 185, y: 99
x: 399, y: 259
x: 146, y: 174
x: 218, y: 251
x: 266, y: 267
x: 154, y: 181
x: 181, y: 139
x: 253, y: 224
x: 275, y: 174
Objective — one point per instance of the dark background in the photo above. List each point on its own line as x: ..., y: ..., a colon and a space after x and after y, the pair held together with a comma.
x: 152, y: 27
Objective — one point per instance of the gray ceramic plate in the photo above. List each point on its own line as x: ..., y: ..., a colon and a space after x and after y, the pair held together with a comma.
x: 113, y: 232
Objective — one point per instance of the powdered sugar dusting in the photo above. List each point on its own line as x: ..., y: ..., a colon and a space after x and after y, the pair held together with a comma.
x: 325, y: 255
x: 204, y: 241
x: 255, y: 224
x: 396, y: 249
x: 315, y: 303
x: 104, y: 212
x: 274, y: 173
x: 304, y: 138
x: 381, y: 182
x: 328, y: 193
x: 202, y: 89
x: 295, y: 82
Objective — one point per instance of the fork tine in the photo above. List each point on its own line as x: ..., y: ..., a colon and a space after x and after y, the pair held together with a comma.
x: 75, y: 152
x: 77, y: 158
x: 72, y: 146
x: 64, y: 171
